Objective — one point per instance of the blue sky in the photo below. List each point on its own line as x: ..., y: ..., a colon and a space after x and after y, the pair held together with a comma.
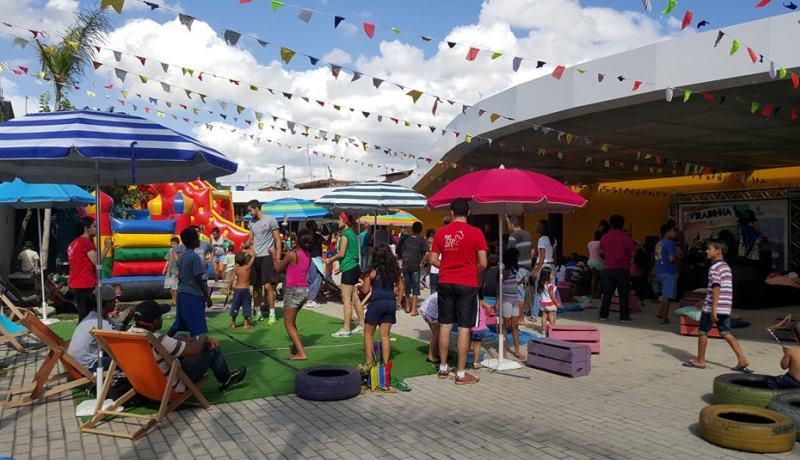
x: 504, y: 26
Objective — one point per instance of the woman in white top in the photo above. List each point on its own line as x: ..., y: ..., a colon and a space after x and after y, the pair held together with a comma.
x: 544, y: 248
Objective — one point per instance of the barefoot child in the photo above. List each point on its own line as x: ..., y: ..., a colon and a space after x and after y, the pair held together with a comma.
x: 171, y: 269
x: 193, y: 298
x: 296, y: 262
x: 790, y: 360
x: 241, y: 294
x: 383, y: 279
x: 717, y: 308
x: 549, y: 294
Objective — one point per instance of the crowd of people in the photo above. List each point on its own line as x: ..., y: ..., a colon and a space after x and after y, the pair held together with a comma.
x: 382, y: 273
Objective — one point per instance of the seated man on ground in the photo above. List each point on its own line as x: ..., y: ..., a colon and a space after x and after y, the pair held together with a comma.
x: 83, y: 347
x: 790, y: 360
x: 196, y: 355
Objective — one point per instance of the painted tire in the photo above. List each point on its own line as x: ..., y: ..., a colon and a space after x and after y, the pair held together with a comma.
x: 327, y: 383
x: 747, y: 428
x: 748, y: 390
x: 789, y: 405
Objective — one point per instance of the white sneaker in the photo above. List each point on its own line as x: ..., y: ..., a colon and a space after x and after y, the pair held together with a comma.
x: 358, y: 330
x: 312, y: 304
x: 341, y: 333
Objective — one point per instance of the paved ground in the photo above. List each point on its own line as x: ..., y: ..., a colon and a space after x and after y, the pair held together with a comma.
x: 638, y: 403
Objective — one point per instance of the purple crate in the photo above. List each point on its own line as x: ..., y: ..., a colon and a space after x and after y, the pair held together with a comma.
x: 569, y: 358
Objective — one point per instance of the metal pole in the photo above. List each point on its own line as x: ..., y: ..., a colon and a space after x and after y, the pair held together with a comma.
x: 501, y: 331
x: 41, y: 268
x: 99, y: 274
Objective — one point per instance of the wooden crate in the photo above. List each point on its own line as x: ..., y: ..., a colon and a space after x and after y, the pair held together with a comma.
x: 567, y: 358
x: 692, y: 327
x: 586, y: 335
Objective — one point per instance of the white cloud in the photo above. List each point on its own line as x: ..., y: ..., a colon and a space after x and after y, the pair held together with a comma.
x: 54, y: 15
x: 338, y: 56
x: 557, y: 31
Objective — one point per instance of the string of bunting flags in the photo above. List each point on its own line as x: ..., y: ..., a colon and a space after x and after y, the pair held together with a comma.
x: 286, y: 54
x: 561, y: 135
x: 291, y: 128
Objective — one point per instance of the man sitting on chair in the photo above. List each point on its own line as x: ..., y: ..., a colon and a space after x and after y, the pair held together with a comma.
x: 196, y: 355
x: 83, y: 347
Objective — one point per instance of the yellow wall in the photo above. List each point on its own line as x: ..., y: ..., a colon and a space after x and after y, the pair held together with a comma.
x: 643, y: 214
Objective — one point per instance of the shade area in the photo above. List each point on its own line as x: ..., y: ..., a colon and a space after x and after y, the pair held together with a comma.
x: 264, y: 349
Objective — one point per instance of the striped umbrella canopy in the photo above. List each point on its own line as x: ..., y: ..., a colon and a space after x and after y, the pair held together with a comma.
x: 87, y: 147
x: 294, y: 209
x: 373, y: 195
x: 399, y: 219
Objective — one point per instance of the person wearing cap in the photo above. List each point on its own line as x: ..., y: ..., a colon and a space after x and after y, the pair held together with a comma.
x: 83, y: 347
x: 347, y: 255
x: 196, y: 355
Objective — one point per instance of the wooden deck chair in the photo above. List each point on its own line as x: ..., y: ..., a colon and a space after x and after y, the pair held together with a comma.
x: 15, y: 310
x: 39, y: 388
x: 133, y: 353
x: 10, y: 331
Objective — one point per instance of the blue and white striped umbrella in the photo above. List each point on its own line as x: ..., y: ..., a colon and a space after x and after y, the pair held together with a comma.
x: 80, y: 146
x: 294, y: 209
x: 373, y: 195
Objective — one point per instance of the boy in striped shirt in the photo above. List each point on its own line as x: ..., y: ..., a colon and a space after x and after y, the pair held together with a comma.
x: 717, y: 308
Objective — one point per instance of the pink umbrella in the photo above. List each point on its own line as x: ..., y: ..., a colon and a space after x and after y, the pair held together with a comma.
x: 507, y: 191
x: 512, y: 191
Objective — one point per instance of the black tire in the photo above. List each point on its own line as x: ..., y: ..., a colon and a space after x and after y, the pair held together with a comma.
x: 748, y: 390
x: 747, y: 428
x: 327, y: 383
x: 789, y: 405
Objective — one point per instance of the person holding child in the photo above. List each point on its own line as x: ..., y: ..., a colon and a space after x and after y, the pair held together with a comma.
x: 547, y: 290
x: 241, y: 293
x: 509, y: 306
x: 192, y: 298
x: 296, y: 263
x: 383, y: 280
x: 717, y: 308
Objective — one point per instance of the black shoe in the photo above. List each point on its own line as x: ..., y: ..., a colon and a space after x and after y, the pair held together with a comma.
x: 236, y: 377
x: 604, y: 318
x: 626, y: 320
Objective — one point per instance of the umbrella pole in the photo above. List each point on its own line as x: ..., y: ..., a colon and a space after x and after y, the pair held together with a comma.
x: 41, y: 272
x: 98, y: 274
x: 375, y: 230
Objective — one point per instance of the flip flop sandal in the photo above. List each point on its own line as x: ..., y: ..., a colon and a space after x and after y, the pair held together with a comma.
x: 432, y: 361
x: 692, y: 365
x: 400, y: 384
x: 742, y: 369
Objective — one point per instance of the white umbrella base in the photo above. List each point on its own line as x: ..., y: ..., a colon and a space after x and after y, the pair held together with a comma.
x: 86, y: 408
x: 501, y: 364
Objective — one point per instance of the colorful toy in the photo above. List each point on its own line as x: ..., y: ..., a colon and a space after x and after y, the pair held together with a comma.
x: 587, y: 335
x: 572, y: 359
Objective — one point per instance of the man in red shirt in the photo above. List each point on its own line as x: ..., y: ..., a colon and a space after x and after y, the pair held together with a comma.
x: 463, y: 259
x: 617, y: 250
x: 82, y: 256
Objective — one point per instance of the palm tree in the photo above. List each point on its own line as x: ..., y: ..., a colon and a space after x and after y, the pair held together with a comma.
x: 65, y: 63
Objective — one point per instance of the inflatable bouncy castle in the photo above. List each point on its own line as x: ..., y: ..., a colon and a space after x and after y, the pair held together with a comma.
x: 141, y: 244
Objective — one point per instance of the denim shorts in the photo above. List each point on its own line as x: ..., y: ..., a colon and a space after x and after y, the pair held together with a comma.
x: 411, y: 282
x: 295, y: 297
x: 667, y: 285
x: 723, y: 324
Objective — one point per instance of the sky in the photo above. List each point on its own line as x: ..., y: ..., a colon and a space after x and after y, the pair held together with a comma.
x: 565, y: 32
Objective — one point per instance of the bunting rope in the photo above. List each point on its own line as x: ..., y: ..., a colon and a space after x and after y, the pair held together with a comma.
x: 561, y: 135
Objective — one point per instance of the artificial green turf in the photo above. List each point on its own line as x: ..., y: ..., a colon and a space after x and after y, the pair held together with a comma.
x: 263, y: 350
